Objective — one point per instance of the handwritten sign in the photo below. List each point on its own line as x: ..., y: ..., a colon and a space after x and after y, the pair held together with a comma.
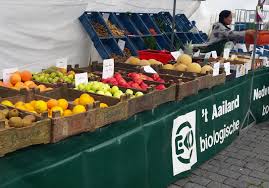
x: 176, y: 54
x: 196, y: 54
x: 81, y: 78
x: 208, y: 55
x: 121, y: 44
x: 108, y: 68
x: 216, y: 67
x: 149, y: 69
x: 226, y: 53
x: 227, y: 68
x: 214, y: 54
x: 7, y: 73
x: 61, y: 63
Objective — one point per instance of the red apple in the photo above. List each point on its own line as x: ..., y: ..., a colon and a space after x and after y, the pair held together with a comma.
x: 160, y: 87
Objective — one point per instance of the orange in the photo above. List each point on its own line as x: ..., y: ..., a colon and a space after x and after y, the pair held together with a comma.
x: 76, y: 101
x: 68, y: 112
x: 15, y: 78
x: 29, y: 83
x: 79, y: 109
x: 26, y: 76
x: 33, y: 103
x: 20, y: 103
x: 63, y: 103
x: 29, y: 107
x: 85, y: 99
x: 42, y: 87
x: 51, y: 103
x: 19, y: 85
x: 8, y: 84
x: 57, y: 108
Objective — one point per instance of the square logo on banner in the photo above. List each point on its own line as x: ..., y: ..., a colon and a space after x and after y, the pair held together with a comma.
x: 184, y: 151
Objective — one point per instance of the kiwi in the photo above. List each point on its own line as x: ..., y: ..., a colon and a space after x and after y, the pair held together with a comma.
x: 15, y: 122
x: 30, y: 117
x: 6, y: 123
x: 5, y: 112
x: 26, y: 122
x: 13, y: 113
x: 2, y: 116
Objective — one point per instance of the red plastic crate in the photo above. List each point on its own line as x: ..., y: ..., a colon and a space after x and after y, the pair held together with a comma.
x: 162, y: 56
x: 262, y: 38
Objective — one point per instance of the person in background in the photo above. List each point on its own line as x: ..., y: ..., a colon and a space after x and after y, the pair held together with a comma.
x: 222, y: 32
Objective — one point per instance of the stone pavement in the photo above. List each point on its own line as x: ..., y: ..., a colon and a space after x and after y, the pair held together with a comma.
x: 244, y: 164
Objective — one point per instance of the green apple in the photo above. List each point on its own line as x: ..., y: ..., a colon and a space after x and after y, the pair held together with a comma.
x: 100, y: 92
x: 91, y: 91
x: 114, y: 89
x: 107, y: 93
x: 88, y: 88
x: 139, y: 94
x: 118, y: 94
x: 129, y: 91
x: 81, y: 87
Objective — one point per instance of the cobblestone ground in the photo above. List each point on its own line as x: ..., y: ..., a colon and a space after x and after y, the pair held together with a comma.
x: 245, y: 163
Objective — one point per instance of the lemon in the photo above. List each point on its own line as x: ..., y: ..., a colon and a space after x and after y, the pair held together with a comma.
x: 79, y: 109
x: 85, y: 99
x: 7, y: 103
x: 103, y: 105
x: 68, y: 112
x: 63, y: 103
x: 40, y: 106
x: 76, y: 101
x: 57, y: 108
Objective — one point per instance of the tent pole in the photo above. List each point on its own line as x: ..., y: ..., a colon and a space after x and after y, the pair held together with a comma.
x: 173, y: 25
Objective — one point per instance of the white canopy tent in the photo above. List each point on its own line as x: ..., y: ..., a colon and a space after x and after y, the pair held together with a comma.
x: 35, y: 33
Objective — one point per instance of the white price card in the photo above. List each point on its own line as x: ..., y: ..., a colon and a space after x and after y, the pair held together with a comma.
x: 216, y: 67
x: 7, y: 73
x: 208, y: 55
x: 121, y: 44
x: 108, y: 68
x: 251, y: 47
x: 244, y: 47
x: 81, y: 78
x: 240, y: 70
x: 214, y: 54
x: 149, y: 69
x: 226, y: 53
x: 248, y: 66
x: 106, y: 16
x: 176, y: 54
x: 196, y: 54
x: 61, y: 63
x: 227, y: 68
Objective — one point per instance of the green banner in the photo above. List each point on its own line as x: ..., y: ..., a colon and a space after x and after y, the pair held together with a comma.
x: 152, y: 149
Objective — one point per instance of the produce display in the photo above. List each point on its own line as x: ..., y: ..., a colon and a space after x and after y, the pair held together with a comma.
x: 136, y: 61
x: 105, y: 89
x: 23, y: 80
x: 115, y: 30
x: 13, y: 118
x: 100, y: 29
x: 119, y: 58
x: 54, y: 75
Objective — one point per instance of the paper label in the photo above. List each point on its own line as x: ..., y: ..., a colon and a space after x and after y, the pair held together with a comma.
x: 226, y: 53
x: 216, y: 67
x: 176, y: 54
x: 106, y: 16
x: 248, y: 66
x: 108, y: 68
x: 121, y: 44
x: 7, y: 73
x: 214, y: 54
x: 61, y: 63
x: 240, y: 70
x: 208, y: 55
x: 227, y: 68
x: 251, y: 47
x: 81, y: 78
x: 149, y: 69
x: 196, y: 54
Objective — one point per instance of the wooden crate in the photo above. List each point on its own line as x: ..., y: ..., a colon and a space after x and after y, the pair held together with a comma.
x: 12, y: 139
x: 116, y: 111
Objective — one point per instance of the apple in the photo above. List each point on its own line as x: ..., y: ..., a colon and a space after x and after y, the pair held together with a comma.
x: 100, y: 92
x: 114, y: 89
x: 91, y: 91
x: 118, y: 94
x: 129, y: 91
x: 138, y: 94
x: 107, y: 93
x: 160, y: 87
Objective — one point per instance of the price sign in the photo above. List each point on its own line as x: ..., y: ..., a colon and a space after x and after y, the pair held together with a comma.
x: 240, y: 70
x: 227, y: 68
x: 216, y: 67
x: 61, y: 63
x: 248, y: 66
x: 121, y: 44
x: 226, y: 53
x: 176, y: 54
x: 149, y: 69
x: 196, y: 54
x: 108, y: 68
x: 7, y: 73
x: 214, y: 54
x: 106, y: 16
x: 81, y: 78
x: 208, y: 55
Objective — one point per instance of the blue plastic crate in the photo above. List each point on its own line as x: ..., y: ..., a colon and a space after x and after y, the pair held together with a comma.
x: 87, y: 20
x: 187, y: 23
x: 240, y: 26
x: 111, y: 46
x: 126, y: 22
x: 149, y: 46
x: 162, y: 42
x: 183, y: 26
x: 169, y: 19
x: 161, y: 22
x: 129, y: 45
x: 138, y: 42
x: 114, y: 20
x: 149, y: 22
x: 192, y: 37
x: 177, y: 42
x: 139, y: 24
x: 183, y: 37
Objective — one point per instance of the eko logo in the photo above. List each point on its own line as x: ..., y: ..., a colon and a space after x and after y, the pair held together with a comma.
x: 184, y: 152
